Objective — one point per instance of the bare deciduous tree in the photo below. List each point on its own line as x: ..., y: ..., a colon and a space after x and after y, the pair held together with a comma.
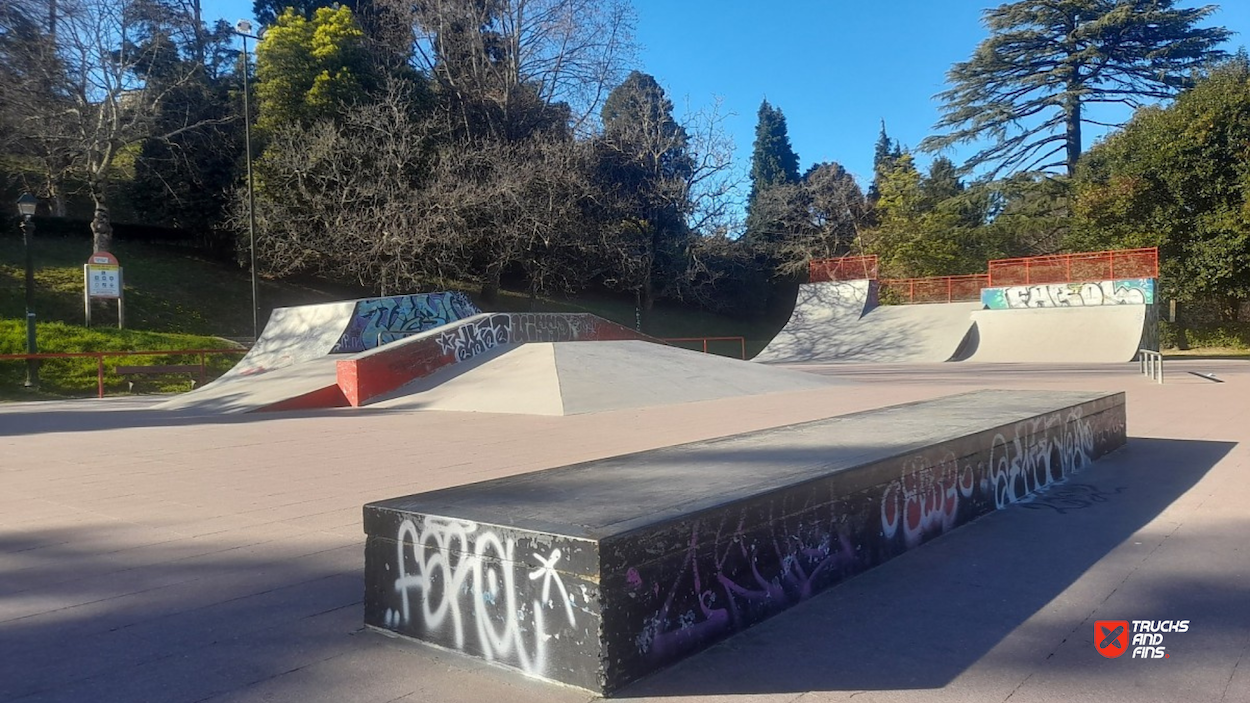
x: 505, y: 64
x: 111, y: 65
x: 665, y: 183
x: 381, y: 196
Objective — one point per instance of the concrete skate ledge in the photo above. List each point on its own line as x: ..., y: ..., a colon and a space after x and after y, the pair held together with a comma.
x: 596, y: 574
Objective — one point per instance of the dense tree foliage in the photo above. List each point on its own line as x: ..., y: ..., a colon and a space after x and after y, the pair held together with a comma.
x: 773, y: 161
x: 1026, y: 87
x: 449, y: 142
x: 311, y: 69
x: 99, y: 86
x: 1178, y: 177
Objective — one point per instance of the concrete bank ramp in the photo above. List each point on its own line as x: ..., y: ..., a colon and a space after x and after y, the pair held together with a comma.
x: 840, y: 322
x: 572, y: 378
x: 1097, y: 334
x: 309, y: 383
x: 292, y: 363
x: 296, y: 334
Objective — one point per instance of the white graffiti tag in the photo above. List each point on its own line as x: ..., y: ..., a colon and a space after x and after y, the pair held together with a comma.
x: 925, y: 500
x: 464, y: 575
x: 1064, y: 295
x: 1040, y: 452
x: 472, y: 338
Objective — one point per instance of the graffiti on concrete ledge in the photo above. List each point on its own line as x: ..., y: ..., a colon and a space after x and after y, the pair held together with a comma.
x: 1132, y: 291
x: 472, y: 338
x: 738, y: 569
x: 382, y: 320
x: 468, y: 583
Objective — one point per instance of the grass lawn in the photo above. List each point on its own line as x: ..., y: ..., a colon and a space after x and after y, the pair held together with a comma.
x: 167, y: 289
x: 1207, y: 353
x: 72, y: 377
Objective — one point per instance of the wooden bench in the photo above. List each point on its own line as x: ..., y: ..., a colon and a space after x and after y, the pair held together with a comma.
x: 194, y: 371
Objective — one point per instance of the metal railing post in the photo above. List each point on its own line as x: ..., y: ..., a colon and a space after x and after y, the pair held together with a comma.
x: 1150, y: 363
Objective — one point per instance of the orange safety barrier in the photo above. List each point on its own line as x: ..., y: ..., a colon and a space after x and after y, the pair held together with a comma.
x: 846, y: 268
x: 1076, y: 268
x: 741, y: 341
x: 100, y: 356
x: 937, y: 289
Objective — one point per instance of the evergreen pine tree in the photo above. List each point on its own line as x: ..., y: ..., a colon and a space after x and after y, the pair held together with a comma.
x: 773, y: 162
x: 1026, y: 86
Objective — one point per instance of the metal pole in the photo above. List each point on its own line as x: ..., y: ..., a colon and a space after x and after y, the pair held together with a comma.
x: 32, y: 346
x: 251, y: 193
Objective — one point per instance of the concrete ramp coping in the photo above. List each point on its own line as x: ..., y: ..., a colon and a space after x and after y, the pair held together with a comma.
x: 596, y: 574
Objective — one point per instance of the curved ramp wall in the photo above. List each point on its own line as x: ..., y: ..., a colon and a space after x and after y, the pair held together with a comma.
x: 820, y: 312
x: 1097, y: 334
x: 839, y: 322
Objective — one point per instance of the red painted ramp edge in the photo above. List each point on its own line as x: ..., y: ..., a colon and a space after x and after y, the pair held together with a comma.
x: 367, y: 376
x: 328, y: 397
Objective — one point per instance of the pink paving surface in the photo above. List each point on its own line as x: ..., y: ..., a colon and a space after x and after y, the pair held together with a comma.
x: 149, y: 556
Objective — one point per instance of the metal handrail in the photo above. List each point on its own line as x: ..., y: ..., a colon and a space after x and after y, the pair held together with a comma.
x: 1150, y: 363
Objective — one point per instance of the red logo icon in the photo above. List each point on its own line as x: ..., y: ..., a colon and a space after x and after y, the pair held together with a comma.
x: 1111, y: 637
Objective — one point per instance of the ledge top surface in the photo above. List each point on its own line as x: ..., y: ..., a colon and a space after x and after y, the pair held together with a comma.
x: 606, y: 497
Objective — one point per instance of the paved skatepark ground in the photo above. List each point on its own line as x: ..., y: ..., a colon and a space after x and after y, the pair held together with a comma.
x: 155, y: 556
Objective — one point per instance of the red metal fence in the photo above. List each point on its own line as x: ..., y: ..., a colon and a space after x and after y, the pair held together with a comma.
x: 100, y: 356
x: 938, y: 289
x: 1075, y: 268
x: 846, y: 268
x: 742, y: 342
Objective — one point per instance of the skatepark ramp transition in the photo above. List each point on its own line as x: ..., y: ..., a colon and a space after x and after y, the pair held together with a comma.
x: 1094, y: 322
x: 340, y: 354
x: 1090, y: 322
x: 405, y: 349
x: 841, y: 321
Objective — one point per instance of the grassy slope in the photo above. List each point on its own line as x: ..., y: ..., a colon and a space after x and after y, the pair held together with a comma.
x: 167, y: 290
x: 176, y: 300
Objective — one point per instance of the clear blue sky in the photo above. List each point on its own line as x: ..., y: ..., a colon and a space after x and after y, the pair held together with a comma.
x: 836, y: 69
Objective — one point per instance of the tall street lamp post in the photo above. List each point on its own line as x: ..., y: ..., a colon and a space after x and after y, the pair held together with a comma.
x: 244, y: 30
x: 26, y: 206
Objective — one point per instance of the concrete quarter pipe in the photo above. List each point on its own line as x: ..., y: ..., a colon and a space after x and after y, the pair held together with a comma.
x: 1092, y: 322
x: 840, y: 321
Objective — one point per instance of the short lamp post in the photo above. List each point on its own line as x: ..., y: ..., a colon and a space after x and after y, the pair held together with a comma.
x: 26, y: 206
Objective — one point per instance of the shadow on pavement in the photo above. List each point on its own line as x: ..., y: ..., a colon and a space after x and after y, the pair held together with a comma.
x: 921, y: 620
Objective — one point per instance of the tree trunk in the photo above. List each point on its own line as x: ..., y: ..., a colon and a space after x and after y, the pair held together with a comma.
x: 490, y: 286
x: 56, y: 199
x: 101, y: 225
x: 646, y: 302
x: 1072, y: 127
